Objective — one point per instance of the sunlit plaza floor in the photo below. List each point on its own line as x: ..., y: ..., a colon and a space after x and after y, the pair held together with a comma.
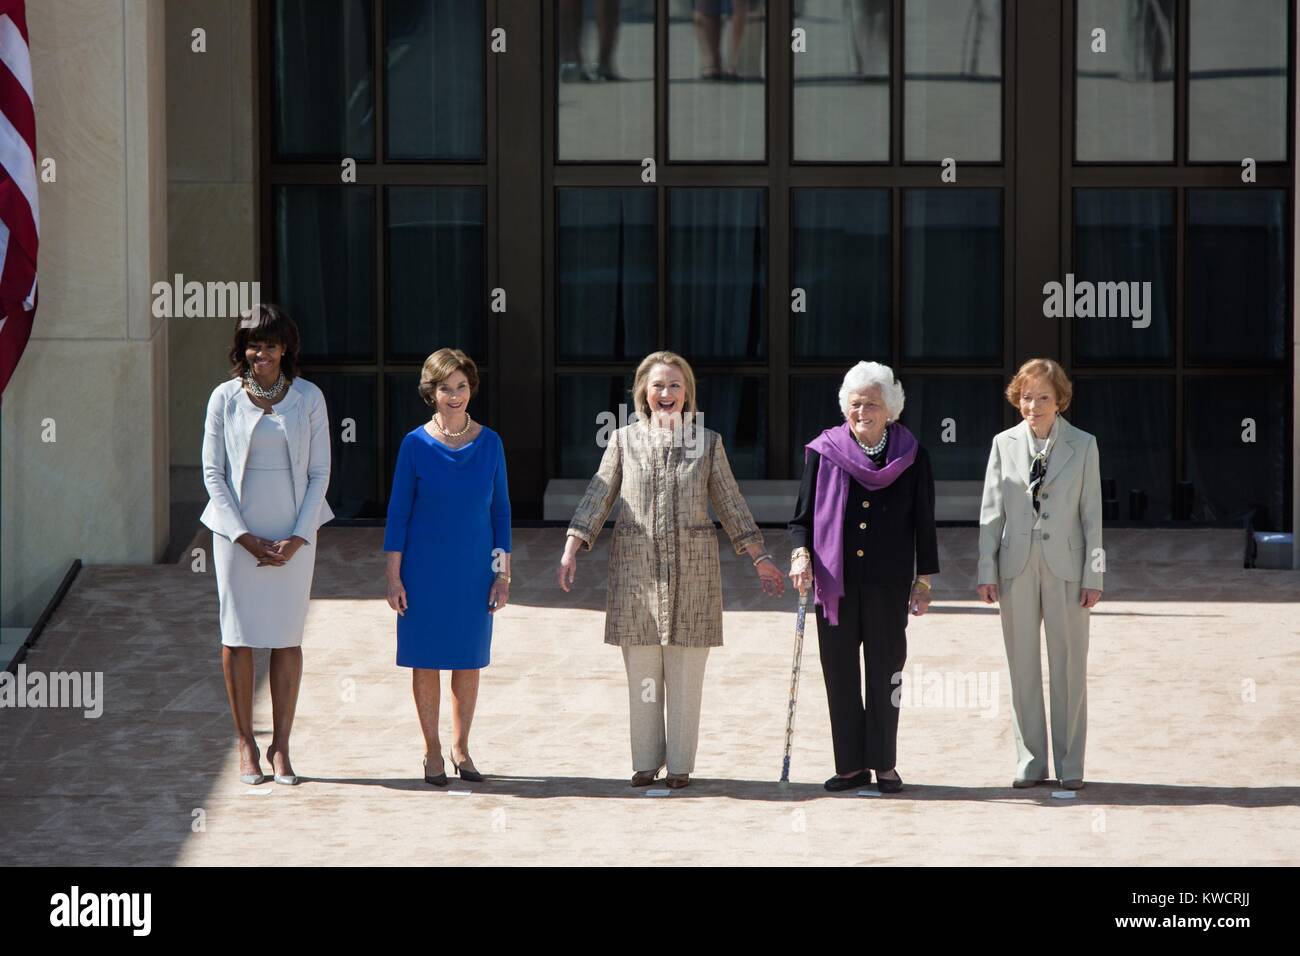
x: 1192, y: 740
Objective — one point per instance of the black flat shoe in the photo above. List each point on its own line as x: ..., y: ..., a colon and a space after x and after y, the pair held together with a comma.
x: 439, y: 781
x: 885, y: 785
x: 835, y: 784
x: 469, y: 776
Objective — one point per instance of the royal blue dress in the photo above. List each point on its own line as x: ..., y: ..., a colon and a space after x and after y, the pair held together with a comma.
x: 449, y: 515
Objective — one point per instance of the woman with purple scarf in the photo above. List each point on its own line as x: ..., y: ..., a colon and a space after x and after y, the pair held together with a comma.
x: 866, y: 509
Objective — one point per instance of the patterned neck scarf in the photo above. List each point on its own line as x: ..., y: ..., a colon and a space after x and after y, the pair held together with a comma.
x: 1038, y: 468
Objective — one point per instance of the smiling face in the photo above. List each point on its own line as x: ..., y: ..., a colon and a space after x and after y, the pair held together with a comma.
x: 868, y: 415
x: 264, y: 359
x: 665, y: 392
x: 1038, y: 405
x: 451, y: 398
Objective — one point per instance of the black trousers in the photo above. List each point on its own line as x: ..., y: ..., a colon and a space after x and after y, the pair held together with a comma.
x: 873, y: 621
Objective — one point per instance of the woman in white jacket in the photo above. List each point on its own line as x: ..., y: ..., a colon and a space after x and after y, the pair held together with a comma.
x: 266, y: 465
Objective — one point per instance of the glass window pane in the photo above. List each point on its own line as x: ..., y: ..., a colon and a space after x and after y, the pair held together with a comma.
x: 735, y: 406
x: 323, y: 66
x: 814, y: 407
x: 717, y: 273
x: 1236, y: 275
x: 435, y: 79
x: 437, y: 271
x: 354, y: 466
x: 325, y: 267
x: 952, y: 80
x: 1133, y: 419
x: 841, y: 260
x: 1232, y: 477
x: 606, y: 260
x: 605, y: 66
x: 1124, y: 268
x: 1125, y: 93
x: 588, y: 409
x: 1237, y: 80
x: 955, y: 419
x: 841, y: 82
x: 717, y: 80
x: 952, y: 275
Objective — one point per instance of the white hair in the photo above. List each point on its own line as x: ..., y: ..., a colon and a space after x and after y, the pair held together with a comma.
x: 867, y: 375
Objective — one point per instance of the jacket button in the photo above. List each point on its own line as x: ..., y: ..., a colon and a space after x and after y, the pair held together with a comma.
x: 1046, y: 515
x: 859, y: 552
x: 1046, y: 535
x: 1046, y: 495
x: 866, y: 504
x: 863, y: 526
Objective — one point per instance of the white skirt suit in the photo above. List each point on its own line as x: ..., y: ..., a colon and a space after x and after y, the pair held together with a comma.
x: 1039, y: 572
x: 265, y: 474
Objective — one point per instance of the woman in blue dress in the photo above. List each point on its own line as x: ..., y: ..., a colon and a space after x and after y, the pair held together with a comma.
x: 448, y: 544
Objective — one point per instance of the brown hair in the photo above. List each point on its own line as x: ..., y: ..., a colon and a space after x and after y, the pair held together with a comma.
x: 643, y: 375
x: 1042, y: 368
x: 440, y: 366
x: 270, y: 324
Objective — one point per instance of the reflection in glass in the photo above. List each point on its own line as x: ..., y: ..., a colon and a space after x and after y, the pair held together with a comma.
x: 965, y: 411
x: 1133, y: 420
x: 717, y: 81
x: 354, y: 465
x: 1230, y: 477
x: 1236, y: 275
x: 437, y: 272
x: 1124, y: 236
x: 717, y: 273
x: 952, y: 80
x: 952, y: 275
x: 323, y: 79
x: 1237, y: 80
x: 588, y: 409
x: 735, y: 406
x: 841, y: 82
x: 1125, y: 93
x: 606, y: 268
x: 325, y: 267
x: 841, y: 258
x: 435, y: 90
x: 605, y: 65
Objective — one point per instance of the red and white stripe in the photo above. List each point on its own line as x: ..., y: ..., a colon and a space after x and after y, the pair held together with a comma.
x: 20, y: 220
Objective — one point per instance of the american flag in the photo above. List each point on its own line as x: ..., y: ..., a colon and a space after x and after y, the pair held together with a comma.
x: 20, y: 219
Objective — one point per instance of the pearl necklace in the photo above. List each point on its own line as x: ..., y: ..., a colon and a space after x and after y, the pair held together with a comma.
x: 468, y: 422
x: 264, y: 393
x: 873, y: 450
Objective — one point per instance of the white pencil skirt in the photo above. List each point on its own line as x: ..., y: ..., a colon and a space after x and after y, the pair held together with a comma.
x: 266, y: 606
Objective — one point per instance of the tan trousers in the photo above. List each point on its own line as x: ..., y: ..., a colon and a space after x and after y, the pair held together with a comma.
x: 1038, y: 598
x: 656, y: 673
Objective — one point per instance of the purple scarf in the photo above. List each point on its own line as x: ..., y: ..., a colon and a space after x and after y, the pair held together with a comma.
x: 842, y: 458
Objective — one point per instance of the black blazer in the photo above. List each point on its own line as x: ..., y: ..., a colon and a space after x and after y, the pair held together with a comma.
x: 899, y: 533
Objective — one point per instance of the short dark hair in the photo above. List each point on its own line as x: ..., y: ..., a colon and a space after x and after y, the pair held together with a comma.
x: 265, y: 323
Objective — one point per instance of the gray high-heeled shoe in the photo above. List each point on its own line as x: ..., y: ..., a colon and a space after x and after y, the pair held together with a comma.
x: 284, y: 779
x: 253, y: 779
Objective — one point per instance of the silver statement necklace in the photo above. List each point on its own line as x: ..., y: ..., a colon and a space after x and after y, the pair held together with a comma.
x: 873, y: 450
x: 267, y: 394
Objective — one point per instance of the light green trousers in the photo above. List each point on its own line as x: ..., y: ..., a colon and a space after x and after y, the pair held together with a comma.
x: 1035, y: 600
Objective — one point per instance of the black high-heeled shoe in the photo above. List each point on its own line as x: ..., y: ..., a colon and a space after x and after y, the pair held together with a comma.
x: 440, y: 780
x: 469, y: 776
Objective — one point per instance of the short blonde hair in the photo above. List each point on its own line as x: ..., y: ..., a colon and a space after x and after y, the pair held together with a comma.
x: 643, y: 375
x: 440, y: 366
x: 1042, y: 368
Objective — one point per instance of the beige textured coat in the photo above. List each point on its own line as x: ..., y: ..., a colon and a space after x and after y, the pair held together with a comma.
x: 665, y: 581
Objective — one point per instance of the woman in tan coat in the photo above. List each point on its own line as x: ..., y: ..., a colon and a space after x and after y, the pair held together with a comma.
x: 664, y: 606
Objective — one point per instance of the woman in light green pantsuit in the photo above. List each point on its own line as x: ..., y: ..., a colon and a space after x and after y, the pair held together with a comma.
x: 1041, y: 558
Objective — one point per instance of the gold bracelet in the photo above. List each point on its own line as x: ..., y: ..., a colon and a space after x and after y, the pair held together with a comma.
x: 502, y: 576
x: 924, y: 585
